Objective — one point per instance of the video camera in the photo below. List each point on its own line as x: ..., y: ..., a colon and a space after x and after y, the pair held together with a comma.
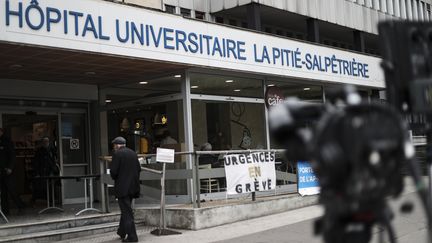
x: 357, y: 149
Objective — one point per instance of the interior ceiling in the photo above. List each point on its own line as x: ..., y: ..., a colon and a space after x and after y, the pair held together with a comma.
x: 57, y: 65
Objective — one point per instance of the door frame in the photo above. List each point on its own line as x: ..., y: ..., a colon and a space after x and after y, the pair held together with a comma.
x: 58, y: 112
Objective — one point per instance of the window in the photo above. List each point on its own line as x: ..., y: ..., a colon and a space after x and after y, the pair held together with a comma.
x: 170, y: 9
x: 232, y: 22
x: 300, y: 36
x: 428, y: 11
x: 219, y: 20
x: 268, y: 30
x: 185, y: 12
x: 228, y: 125
x: 223, y: 124
x: 423, y: 10
x: 199, y: 15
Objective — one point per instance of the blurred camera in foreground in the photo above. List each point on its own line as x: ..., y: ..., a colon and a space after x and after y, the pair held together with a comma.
x: 356, y: 149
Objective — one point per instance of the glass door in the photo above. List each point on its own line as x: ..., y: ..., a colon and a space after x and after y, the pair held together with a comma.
x: 75, y: 159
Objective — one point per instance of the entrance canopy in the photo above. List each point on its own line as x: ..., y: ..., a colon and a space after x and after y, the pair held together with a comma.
x: 21, y: 62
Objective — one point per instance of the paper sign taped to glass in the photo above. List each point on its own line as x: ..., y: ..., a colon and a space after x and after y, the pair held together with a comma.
x: 247, y: 173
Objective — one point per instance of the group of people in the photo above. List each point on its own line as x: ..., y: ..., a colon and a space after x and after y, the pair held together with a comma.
x: 44, y: 163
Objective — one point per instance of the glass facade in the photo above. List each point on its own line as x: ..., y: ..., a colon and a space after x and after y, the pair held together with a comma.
x: 227, y: 112
x: 228, y: 125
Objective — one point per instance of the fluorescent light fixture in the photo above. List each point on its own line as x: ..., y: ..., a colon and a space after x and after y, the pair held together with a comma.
x: 194, y: 87
x: 270, y: 85
x: 306, y: 89
x: 237, y: 90
x: 177, y: 76
x: 229, y: 81
x: 108, y: 101
x: 143, y: 82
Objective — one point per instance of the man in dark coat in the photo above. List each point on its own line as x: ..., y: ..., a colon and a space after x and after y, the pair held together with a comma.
x: 125, y: 171
x: 7, y: 159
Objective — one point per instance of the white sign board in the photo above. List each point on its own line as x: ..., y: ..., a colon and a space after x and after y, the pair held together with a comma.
x: 165, y: 155
x: 115, y: 29
x: 247, y: 173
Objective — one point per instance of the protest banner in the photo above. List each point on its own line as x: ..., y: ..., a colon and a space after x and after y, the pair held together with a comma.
x: 252, y: 172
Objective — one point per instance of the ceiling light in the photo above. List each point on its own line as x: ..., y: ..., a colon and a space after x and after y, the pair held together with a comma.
x: 306, y: 89
x: 143, y: 82
x: 194, y: 87
x: 108, y: 101
x: 177, y: 76
x: 270, y: 85
x: 229, y: 81
x: 236, y: 90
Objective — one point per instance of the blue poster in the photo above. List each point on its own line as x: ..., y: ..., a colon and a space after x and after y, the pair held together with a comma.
x: 307, y: 181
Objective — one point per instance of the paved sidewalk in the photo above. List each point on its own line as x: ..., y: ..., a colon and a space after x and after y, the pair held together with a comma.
x: 219, y: 233
x: 292, y: 226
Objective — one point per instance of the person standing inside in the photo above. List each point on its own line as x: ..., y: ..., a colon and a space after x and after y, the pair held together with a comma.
x: 44, y: 164
x: 7, y: 159
x: 125, y: 171
x: 45, y: 161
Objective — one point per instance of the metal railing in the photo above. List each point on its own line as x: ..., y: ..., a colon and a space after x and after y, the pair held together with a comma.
x: 197, y: 175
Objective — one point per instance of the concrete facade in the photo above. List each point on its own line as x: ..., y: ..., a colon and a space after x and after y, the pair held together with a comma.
x: 201, y: 218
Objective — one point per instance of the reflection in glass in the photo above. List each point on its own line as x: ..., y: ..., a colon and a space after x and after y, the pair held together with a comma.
x: 228, y: 125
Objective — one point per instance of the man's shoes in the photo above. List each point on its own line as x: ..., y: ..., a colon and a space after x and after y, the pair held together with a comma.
x: 122, y: 236
x: 130, y: 240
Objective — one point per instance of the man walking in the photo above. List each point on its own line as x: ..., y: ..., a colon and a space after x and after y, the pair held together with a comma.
x: 125, y: 170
